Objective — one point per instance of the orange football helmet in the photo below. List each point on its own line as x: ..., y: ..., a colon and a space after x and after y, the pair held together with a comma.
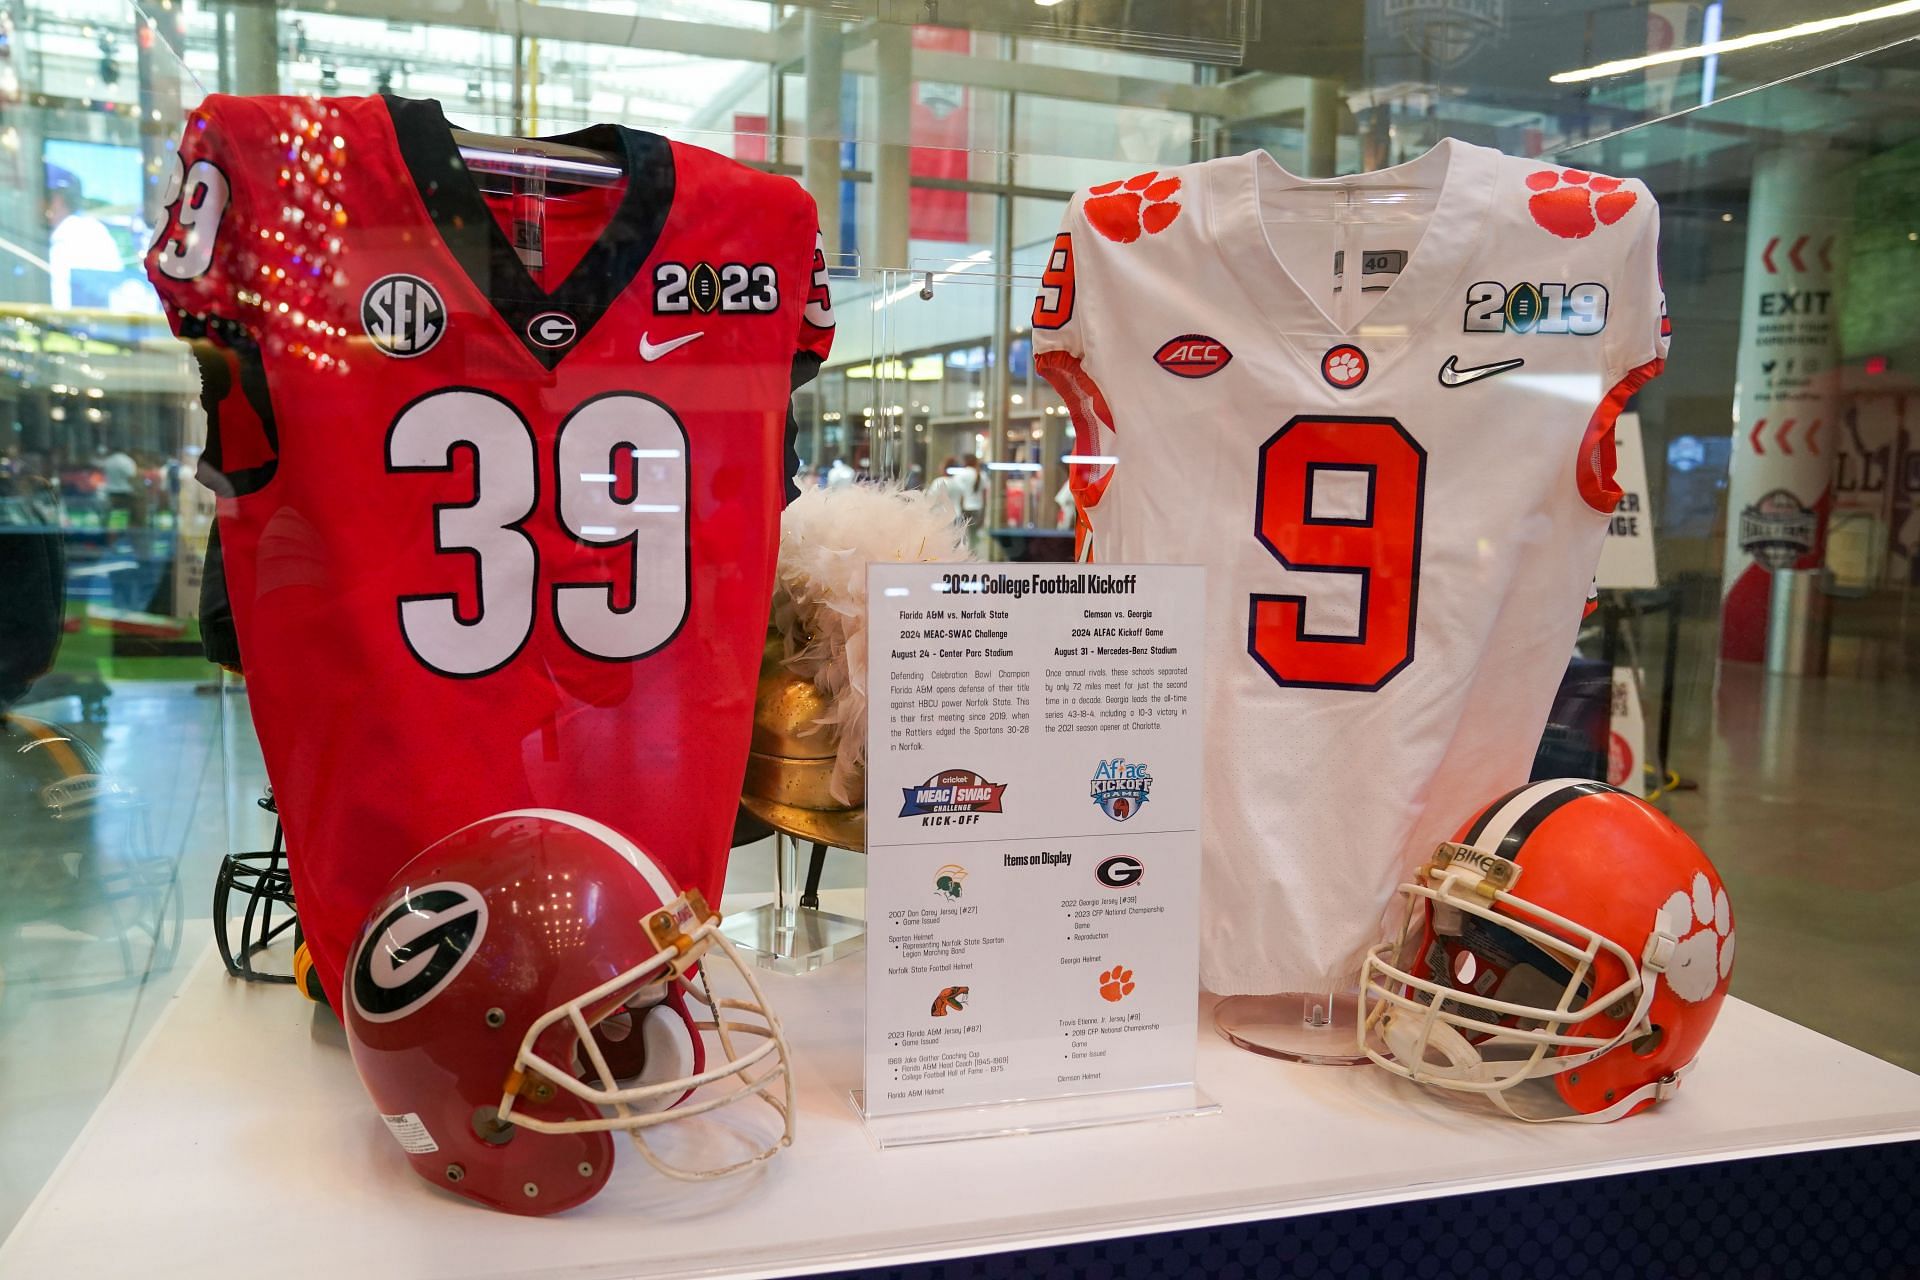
x: 1570, y: 936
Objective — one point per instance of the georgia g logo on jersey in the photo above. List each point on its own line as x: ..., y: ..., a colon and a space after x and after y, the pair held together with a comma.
x: 419, y: 945
x: 552, y: 329
x: 403, y: 315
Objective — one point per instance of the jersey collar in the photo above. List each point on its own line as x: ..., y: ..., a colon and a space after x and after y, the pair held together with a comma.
x: 460, y: 215
x: 1465, y: 176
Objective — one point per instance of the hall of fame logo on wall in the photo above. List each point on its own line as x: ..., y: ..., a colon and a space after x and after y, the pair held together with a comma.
x: 1445, y: 32
x: 1778, y: 529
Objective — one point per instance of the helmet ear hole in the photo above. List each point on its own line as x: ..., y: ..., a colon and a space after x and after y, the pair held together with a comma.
x: 627, y: 1041
x: 489, y: 1128
x: 1649, y: 1042
x: 624, y: 1050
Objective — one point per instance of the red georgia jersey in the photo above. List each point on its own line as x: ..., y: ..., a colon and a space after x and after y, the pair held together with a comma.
x: 496, y: 535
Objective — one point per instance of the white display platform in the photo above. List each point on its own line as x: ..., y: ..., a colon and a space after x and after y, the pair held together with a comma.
x: 238, y: 1137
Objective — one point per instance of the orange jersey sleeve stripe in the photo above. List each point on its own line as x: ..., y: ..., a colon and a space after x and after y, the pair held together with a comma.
x: 1594, y: 473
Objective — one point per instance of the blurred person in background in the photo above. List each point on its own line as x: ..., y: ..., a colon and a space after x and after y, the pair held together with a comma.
x: 969, y: 481
x: 77, y: 242
x: 122, y: 484
x: 943, y: 488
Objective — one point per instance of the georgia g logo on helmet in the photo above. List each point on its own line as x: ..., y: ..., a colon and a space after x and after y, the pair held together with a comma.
x: 416, y: 948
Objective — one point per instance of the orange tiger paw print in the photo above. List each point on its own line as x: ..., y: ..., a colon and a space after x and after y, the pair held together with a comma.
x: 1116, y: 984
x: 1572, y: 203
x: 1144, y: 203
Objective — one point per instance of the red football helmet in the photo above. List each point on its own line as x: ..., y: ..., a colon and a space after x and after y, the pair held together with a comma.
x: 525, y: 987
x: 1570, y: 933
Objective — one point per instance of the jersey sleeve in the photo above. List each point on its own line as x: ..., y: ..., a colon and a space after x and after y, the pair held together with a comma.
x: 1638, y: 332
x: 200, y: 259
x: 1061, y: 356
x: 203, y: 265
x: 219, y: 636
x: 811, y: 348
x: 1640, y: 329
x: 816, y: 320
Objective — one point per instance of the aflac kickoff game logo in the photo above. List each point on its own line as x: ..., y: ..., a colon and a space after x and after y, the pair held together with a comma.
x: 956, y: 791
x: 1120, y: 787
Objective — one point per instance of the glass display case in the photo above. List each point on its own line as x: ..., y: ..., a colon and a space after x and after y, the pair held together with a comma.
x: 1749, y: 664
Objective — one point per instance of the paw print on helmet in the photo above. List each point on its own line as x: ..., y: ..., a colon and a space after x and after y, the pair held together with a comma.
x: 1703, y: 959
x: 1144, y: 203
x: 1573, y: 204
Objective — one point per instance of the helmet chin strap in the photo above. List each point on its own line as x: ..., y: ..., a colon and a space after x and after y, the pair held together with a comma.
x: 1411, y: 1040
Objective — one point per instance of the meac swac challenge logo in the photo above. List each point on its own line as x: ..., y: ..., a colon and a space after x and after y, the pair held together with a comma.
x: 1120, y: 787
x: 956, y: 791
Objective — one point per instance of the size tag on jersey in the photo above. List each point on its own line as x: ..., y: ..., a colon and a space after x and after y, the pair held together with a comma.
x: 1379, y: 268
x: 530, y: 221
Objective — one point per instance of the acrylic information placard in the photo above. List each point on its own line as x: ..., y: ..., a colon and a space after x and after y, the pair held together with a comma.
x: 1033, y: 801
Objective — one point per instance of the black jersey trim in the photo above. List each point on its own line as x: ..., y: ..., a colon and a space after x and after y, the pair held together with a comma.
x: 465, y: 224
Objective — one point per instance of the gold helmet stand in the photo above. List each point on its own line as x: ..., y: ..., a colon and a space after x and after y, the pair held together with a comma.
x: 787, y: 793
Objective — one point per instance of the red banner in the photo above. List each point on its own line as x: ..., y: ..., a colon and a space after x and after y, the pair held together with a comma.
x: 940, y: 135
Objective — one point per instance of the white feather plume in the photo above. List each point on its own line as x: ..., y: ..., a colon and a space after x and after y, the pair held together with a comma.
x: 827, y: 539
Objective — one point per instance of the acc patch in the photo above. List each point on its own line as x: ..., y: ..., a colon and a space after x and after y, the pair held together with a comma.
x: 1193, y: 355
x: 418, y: 945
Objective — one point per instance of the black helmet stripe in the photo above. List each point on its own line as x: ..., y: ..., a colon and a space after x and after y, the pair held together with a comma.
x: 1507, y: 823
x: 1487, y: 814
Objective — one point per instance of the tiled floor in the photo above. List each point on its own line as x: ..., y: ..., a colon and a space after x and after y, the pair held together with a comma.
x: 1805, y: 792
x: 1808, y: 802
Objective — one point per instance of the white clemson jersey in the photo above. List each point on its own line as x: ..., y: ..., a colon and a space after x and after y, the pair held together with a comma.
x: 1380, y: 410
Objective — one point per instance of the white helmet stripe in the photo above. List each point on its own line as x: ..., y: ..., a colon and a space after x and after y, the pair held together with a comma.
x: 1509, y: 822
x: 652, y: 874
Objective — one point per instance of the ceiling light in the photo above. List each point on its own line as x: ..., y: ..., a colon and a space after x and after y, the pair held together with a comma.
x: 1799, y: 31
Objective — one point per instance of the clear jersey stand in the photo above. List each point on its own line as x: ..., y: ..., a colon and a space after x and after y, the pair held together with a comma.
x: 792, y: 934
x: 1319, y: 1029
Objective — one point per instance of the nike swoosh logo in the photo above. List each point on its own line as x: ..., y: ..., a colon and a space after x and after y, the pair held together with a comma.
x: 1451, y: 375
x: 650, y: 352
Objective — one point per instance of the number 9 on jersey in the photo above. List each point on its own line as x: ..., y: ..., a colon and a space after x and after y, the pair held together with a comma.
x: 1340, y: 496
